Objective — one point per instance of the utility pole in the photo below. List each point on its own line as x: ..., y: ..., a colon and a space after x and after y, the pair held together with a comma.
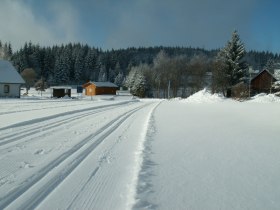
x: 250, y: 71
x: 271, y: 82
x: 168, y: 89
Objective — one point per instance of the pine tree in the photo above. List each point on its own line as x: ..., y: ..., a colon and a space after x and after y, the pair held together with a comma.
x: 36, y: 60
x: 230, y: 58
x: 21, y: 61
x: 91, y: 69
x: 6, y: 51
x: 112, y: 75
x: 270, y: 65
x: 119, y: 79
x: 61, y: 74
x: 136, y: 82
x: 48, y: 64
x: 139, y: 86
x: 102, y: 77
x: 130, y: 79
x: 78, y: 67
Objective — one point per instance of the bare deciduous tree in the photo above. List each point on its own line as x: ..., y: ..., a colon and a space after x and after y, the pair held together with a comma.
x: 197, y: 67
x: 29, y: 75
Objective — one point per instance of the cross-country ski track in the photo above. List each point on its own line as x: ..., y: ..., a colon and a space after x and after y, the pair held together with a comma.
x: 73, y: 172
x: 120, y: 152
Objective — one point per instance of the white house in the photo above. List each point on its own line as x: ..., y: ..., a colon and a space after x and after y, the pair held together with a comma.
x: 10, y: 80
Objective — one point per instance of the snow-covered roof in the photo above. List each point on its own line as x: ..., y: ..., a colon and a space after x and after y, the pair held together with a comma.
x: 60, y: 87
x: 261, y: 73
x: 104, y: 84
x: 8, y: 73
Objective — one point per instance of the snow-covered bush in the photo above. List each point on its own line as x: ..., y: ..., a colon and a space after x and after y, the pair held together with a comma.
x: 136, y: 82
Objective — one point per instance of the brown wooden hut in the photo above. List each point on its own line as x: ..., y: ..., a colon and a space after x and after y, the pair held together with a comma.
x: 262, y: 82
x: 100, y: 88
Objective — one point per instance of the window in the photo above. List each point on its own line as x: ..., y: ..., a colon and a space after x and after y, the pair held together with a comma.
x: 6, y: 88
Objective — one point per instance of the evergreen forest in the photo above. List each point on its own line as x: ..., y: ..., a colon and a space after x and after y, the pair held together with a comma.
x: 159, y: 67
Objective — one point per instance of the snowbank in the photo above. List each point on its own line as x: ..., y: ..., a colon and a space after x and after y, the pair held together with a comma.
x: 265, y: 98
x: 176, y: 99
x: 204, y: 96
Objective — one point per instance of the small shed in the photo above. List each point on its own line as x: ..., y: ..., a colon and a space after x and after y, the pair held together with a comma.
x: 100, y: 88
x: 61, y: 91
x: 262, y: 82
x: 10, y: 80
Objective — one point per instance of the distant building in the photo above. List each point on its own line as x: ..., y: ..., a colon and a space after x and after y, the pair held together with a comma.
x: 262, y: 82
x: 100, y: 88
x: 10, y: 80
x: 61, y: 91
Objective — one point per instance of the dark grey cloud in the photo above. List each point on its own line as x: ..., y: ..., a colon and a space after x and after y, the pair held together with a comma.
x: 200, y: 23
x: 126, y: 23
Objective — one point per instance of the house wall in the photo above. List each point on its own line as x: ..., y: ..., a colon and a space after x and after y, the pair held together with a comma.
x: 262, y: 83
x: 92, y: 90
x: 14, y: 90
x: 105, y: 90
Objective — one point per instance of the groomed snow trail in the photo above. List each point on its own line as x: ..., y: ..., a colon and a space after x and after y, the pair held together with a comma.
x: 139, y: 154
x: 84, y: 160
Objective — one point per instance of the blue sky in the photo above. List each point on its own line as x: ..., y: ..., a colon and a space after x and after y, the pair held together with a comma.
x: 132, y: 23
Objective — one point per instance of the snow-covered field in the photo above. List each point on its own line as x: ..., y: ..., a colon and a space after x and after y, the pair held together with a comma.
x: 204, y: 152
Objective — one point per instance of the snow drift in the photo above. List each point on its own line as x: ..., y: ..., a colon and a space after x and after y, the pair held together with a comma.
x: 265, y: 98
x: 204, y: 96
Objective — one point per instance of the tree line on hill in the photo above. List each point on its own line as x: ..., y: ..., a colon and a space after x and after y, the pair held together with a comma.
x: 147, y: 71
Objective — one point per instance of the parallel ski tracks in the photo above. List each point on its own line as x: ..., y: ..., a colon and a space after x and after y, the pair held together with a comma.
x: 22, y: 131
x: 43, y: 108
x: 80, y: 151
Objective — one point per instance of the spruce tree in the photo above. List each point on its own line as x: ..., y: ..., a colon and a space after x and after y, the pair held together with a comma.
x: 91, y: 69
x: 130, y: 79
x: 270, y: 65
x: 234, y: 68
x: 102, y: 77
x: 78, y: 67
x: 48, y: 63
x: 136, y: 82
x: 139, y: 86
x: 119, y: 79
x: 61, y: 74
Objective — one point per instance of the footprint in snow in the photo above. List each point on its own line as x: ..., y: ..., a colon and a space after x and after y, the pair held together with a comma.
x: 40, y: 152
x: 105, y: 158
x: 25, y: 165
x: 77, y: 133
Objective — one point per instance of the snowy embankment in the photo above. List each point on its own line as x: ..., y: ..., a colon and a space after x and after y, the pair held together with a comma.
x: 211, y: 153
x: 265, y: 98
x: 204, y: 96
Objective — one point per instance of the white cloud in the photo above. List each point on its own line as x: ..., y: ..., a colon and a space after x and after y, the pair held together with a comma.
x: 19, y: 24
x: 66, y: 20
